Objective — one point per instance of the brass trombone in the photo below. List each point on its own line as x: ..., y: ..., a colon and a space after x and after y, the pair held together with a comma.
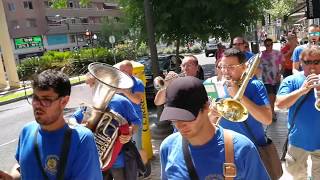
x: 231, y: 108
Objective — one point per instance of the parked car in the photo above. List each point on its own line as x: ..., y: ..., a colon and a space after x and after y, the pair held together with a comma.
x: 211, y: 47
x: 166, y: 63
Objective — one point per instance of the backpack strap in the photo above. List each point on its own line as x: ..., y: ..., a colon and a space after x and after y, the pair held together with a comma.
x: 229, y: 168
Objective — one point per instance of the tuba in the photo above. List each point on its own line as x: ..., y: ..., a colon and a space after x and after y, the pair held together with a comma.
x: 105, y: 124
x: 231, y: 108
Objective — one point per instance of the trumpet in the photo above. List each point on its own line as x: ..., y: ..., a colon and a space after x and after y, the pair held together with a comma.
x: 231, y: 108
x: 159, y: 82
x: 316, y: 92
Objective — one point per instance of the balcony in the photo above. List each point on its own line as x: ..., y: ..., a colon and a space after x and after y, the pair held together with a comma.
x: 72, y: 28
x: 83, y: 12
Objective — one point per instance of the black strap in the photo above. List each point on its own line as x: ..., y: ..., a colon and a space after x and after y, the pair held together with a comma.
x: 187, y: 158
x: 63, y: 154
x: 285, y: 145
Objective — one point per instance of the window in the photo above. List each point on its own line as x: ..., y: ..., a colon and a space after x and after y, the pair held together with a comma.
x: 27, y: 4
x: 14, y: 24
x: 11, y: 7
x: 31, y: 23
x: 47, y: 4
x: 84, y: 20
x: 72, y: 38
x: 70, y: 4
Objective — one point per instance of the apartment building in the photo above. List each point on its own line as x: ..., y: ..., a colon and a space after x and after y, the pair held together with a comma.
x: 34, y: 26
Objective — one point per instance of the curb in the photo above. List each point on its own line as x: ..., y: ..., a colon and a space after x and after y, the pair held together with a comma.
x: 24, y: 97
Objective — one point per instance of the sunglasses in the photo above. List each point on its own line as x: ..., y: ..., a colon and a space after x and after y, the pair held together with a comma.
x: 268, y: 45
x: 314, y: 34
x: 309, y: 62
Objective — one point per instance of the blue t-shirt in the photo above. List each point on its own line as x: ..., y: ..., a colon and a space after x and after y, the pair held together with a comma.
x: 137, y: 87
x: 305, y: 130
x: 256, y: 92
x: 82, y: 160
x: 296, y: 53
x: 125, y: 108
x: 208, y: 159
x: 248, y: 55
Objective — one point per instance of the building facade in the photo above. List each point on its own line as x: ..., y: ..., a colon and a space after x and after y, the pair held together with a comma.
x: 35, y: 26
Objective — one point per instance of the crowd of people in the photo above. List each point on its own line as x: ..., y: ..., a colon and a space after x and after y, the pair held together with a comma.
x: 205, y: 144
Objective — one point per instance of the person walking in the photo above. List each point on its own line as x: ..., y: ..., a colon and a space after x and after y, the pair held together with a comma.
x: 201, y: 150
x: 255, y: 98
x: 135, y: 95
x: 287, y: 51
x: 298, y: 93
x: 49, y: 148
x: 270, y: 67
x: 313, y: 37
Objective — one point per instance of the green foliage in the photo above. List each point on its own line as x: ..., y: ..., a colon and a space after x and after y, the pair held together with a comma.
x: 280, y: 8
x: 125, y: 51
x: 196, y: 49
x: 117, y: 27
x: 76, y: 62
x: 60, y: 4
x: 142, y: 50
x: 186, y: 20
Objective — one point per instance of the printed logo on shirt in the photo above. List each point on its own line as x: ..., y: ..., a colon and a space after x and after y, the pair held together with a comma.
x: 52, y: 164
x: 214, y: 177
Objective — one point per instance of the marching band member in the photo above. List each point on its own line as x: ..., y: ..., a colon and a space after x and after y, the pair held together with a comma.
x: 42, y: 141
x: 255, y: 98
x: 296, y: 93
x: 187, y: 107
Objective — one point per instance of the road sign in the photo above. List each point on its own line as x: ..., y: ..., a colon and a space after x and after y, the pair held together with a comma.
x: 112, y: 39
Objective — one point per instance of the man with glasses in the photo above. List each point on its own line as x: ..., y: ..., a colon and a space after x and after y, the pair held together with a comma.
x: 270, y: 68
x: 313, y: 37
x: 255, y: 98
x: 296, y: 92
x: 49, y: 148
x: 239, y: 43
x: 191, y: 67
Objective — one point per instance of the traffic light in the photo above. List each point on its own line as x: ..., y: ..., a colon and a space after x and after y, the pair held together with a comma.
x: 88, y: 33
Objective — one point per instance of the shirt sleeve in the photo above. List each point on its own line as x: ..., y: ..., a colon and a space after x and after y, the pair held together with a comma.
x: 132, y: 115
x: 78, y: 115
x: 257, y: 93
x: 285, y: 87
x: 296, y: 54
x: 163, y: 160
x: 138, y: 86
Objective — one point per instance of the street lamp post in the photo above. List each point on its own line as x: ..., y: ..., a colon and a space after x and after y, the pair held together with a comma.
x: 112, y: 40
x: 91, y: 37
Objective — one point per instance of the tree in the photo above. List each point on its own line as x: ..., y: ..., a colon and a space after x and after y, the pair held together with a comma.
x: 281, y: 8
x: 59, y: 4
x: 117, y: 27
x: 186, y: 20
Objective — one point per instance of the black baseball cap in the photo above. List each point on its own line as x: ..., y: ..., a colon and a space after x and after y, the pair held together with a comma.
x: 185, y: 96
